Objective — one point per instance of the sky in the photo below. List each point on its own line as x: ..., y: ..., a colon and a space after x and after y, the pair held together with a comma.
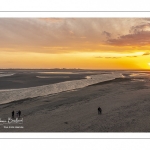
x: 85, y: 43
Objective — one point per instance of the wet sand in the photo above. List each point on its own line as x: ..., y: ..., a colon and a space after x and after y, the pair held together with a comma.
x: 124, y: 102
x: 25, y: 80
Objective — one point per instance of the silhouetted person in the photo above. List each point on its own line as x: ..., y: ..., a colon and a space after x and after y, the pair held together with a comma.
x: 99, y: 110
x: 19, y: 113
x: 13, y: 114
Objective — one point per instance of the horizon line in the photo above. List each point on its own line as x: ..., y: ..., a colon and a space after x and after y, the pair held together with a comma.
x: 65, y: 69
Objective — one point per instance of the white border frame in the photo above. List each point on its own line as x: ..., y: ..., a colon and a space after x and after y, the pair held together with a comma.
x: 73, y: 14
x: 74, y: 135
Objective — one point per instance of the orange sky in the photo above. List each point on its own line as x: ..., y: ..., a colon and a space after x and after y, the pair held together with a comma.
x: 88, y: 43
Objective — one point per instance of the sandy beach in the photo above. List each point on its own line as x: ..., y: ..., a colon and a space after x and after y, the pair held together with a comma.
x: 124, y: 102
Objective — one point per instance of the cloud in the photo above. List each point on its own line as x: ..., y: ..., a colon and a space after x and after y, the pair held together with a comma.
x: 134, y: 56
x: 71, y: 32
x: 146, y: 53
x: 52, y: 20
x: 138, y: 36
x: 140, y: 28
x: 128, y: 56
x: 83, y: 37
x: 79, y: 34
x: 139, y: 39
x: 131, y: 56
x: 112, y: 57
x: 99, y: 57
x: 116, y: 57
x: 108, y: 57
x: 107, y: 34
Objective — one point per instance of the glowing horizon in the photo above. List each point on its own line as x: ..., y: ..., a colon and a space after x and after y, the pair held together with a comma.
x: 85, y: 43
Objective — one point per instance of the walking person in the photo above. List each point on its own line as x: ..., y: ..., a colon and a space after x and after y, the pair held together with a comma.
x: 12, y: 113
x: 19, y: 113
x: 99, y: 110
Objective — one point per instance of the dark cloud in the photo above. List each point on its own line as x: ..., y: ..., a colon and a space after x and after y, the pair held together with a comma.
x: 138, y: 36
x: 140, y: 28
x: 107, y: 34
x: 139, y: 39
x: 124, y: 56
x: 112, y: 57
x: 147, y: 53
x: 108, y: 57
x: 131, y: 56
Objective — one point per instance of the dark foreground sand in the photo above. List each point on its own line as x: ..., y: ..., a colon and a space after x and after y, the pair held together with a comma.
x: 125, y: 104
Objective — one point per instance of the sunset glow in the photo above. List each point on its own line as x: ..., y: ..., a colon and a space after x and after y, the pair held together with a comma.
x: 88, y: 43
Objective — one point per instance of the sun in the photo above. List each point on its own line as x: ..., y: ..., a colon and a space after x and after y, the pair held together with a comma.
x: 149, y: 64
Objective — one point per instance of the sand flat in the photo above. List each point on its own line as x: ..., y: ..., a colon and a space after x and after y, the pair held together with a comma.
x: 125, y: 106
